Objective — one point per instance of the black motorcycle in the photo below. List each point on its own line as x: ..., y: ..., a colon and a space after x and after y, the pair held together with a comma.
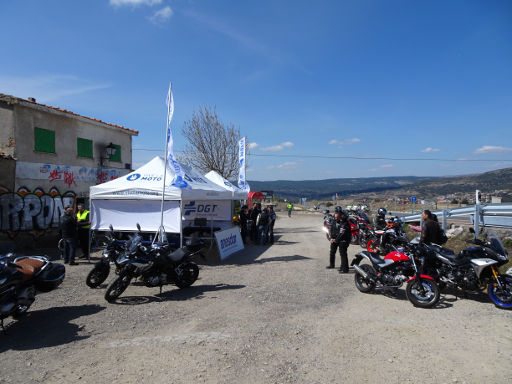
x: 473, y: 269
x: 156, y: 265
x: 21, y: 278
x: 111, y: 253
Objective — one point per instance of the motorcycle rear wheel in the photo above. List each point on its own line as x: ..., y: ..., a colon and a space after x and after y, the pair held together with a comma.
x: 501, y: 297
x: 362, y: 284
x: 422, y: 293
x: 189, y: 275
x: 117, y: 287
x: 96, y: 277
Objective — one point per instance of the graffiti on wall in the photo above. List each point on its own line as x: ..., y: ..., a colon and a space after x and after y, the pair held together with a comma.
x: 36, y: 210
x: 69, y: 175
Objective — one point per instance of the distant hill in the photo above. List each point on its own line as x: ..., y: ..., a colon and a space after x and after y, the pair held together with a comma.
x: 325, y: 189
x: 427, y: 187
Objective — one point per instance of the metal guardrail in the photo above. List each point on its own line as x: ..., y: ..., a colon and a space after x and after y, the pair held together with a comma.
x: 487, y: 215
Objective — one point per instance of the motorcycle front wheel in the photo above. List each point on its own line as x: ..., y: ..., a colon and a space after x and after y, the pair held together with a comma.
x: 501, y: 296
x: 117, y: 287
x: 422, y: 293
x: 190, y: 272
x: 365, y: 285
x: 97, y: 276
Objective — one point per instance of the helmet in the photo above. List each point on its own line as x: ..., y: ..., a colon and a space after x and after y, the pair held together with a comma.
x: 382, y: 212
x: 338, y: 209
x: 343, y: 215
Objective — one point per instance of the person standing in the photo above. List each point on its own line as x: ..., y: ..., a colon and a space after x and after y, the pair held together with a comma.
x: 339, y: 238
x: 289, y: 207
x: 68, y: 230
x: 255, y: 211
x: 244, y: 217
x: 272, y: 221
x: 263, y: 222
x: 430, y: 229
x: 84, y: 224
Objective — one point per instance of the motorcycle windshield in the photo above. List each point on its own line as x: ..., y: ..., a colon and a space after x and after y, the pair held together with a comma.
x: 495, y: 243
x: 131, y: 245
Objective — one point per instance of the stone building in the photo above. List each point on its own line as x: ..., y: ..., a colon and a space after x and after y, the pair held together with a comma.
x: 49, y: 157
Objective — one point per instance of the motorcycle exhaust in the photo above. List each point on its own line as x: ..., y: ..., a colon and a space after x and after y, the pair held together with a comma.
x: 359, y: 270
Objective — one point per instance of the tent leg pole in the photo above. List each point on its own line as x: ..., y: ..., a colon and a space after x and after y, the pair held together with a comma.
x: 181, y: 223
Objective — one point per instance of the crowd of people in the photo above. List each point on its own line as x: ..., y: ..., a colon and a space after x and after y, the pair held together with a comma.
x: 257, y: 224
x: 74, y: 229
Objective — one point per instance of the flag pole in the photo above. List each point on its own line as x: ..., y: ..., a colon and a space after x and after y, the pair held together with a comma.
x: 170, y: 110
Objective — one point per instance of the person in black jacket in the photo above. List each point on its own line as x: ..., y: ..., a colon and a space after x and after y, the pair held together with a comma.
x: 339, y: 237
x: 255, y: 211
x: 68, y: 230
x: 430, y: 229
x: 244, y: 217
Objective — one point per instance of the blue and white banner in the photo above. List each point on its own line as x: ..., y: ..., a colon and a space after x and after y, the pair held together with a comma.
x: 242, y: 183
x: 179, y: 175
x: 229, y: 241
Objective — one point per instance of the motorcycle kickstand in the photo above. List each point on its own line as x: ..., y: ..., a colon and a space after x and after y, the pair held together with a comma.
x: 160, y: 288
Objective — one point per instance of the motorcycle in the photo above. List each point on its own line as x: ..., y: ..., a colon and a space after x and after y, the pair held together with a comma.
x: 380, y: 240
x: 473, y: 268
x: 111, y: 253
x: 357, y: 220
x: 391, y: 271
x: 21, y: 278
x: 327, y: 222
x: 155, y: 265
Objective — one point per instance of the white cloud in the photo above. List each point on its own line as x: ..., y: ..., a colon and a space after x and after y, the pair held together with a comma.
x: 381, y: 167
x: 48, y: 88
x: 288, y: 164
x: 430, y: 149
x: 280, y: 147
x: 341, y: 143
x: 134, y: 3
x: 252, y: 145
x: 492, y: 149
x: 162, y: 15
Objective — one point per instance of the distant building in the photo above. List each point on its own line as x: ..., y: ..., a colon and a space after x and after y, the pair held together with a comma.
x: 49, y: 157
x: 496, y: 199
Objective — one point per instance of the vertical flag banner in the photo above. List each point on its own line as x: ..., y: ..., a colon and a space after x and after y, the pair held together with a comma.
x: 179, y: 175
x: 242, y: 183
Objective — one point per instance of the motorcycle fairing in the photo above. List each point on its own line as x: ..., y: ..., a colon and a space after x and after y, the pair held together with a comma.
x: 480, y: 264
x: 422, y: 276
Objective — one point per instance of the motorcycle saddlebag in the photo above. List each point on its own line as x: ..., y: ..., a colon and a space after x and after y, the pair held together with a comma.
x: 51, y: 277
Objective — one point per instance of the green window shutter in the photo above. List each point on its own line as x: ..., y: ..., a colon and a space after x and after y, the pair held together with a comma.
x: 117, y: 155
x: 44, y: 140
x: 84, y: 147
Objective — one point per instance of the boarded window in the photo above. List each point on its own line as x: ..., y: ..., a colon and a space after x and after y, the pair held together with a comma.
x: 116, y: 156
x: 44, y: 140
x: 84, y: 147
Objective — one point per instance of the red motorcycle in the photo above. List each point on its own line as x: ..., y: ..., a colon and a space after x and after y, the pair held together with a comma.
x: 391, y: 271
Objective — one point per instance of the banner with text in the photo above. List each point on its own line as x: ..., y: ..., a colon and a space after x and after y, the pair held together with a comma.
x: 229, y: 241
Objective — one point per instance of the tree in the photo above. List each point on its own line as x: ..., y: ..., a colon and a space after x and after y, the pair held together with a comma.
x: 212, y: 145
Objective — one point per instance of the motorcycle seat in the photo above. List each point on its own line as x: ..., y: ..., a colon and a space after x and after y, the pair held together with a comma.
x: 29, y: 267
x: 449, y: 254
x: 379, y: 260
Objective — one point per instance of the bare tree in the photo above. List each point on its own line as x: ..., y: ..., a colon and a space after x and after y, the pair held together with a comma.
x: 211, y: 144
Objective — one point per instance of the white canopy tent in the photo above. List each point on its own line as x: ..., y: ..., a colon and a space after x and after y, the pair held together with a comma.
x: 136, y: 198
x: 238, y: 194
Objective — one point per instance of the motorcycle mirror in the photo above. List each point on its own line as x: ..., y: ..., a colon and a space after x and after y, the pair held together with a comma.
x: 138, y: 227
x: 111, y: 228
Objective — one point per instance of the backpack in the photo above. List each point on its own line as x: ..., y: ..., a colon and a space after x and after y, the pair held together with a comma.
x: 441, y: 237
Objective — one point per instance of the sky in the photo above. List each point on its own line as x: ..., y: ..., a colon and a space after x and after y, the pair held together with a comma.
x: 325, y: 89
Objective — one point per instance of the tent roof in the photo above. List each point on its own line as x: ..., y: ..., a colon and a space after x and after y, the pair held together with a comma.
x: 146, y: 183
x: 238, y: 193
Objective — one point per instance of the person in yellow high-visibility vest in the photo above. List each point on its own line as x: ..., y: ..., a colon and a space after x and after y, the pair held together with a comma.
x: 84, y: 224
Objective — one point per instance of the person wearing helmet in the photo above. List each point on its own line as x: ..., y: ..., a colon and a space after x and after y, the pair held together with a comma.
x: 380, y: 219
x: 339, y: 237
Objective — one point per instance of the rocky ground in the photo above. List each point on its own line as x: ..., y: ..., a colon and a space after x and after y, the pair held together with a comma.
x: 266, y: 315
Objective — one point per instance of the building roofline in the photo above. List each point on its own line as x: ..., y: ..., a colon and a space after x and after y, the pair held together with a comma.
x: 33, y: 104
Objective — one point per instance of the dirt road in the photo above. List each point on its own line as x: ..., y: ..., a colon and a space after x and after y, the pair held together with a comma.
x: 267, y: 315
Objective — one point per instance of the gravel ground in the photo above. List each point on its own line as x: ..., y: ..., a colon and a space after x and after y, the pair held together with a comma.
x: 266, y: 315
